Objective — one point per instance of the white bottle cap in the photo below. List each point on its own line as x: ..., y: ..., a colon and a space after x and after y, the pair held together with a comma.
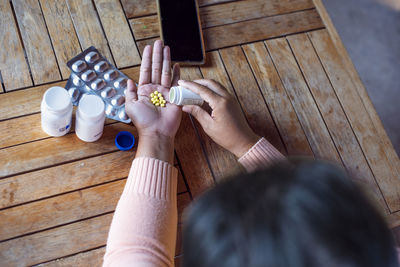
x: 91, y: 107
x: 57, y: 99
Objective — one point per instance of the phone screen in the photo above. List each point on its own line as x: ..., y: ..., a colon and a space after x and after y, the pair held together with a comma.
x: 181, y: 30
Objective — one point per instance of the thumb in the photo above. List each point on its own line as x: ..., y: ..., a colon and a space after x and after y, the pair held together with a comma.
x: 200, y: 114
x: 131, y: 92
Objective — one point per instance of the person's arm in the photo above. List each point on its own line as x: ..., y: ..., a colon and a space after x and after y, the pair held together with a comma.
x: 143, y: 229
x: 227, y: 126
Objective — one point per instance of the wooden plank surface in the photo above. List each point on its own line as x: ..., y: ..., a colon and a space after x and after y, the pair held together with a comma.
x: 233, y: 12
x: 27, y: 129
x: 223, y: 163
x: 36, y: 40
x: 62, y: 209
x: 145, y: 27
x: 48, y: 152
x: 189, y: 150
x: 260, y: 29
x: 24, y: 102
x: 346, y: 60
x: 68, y: 177
x: 64, y: 178
x: 217, y: 15
x: 277, y: 99
x: 118, y: 33
x: 332, y: 112
x: 62, y: 33
x: 386, y: 174
x: 13, y: 67
x: 88, y: 27
x: 140, y: 8
x: 93, y: 258
x: 250, y: 97
x: 302, y: 100
x: 64, y: 240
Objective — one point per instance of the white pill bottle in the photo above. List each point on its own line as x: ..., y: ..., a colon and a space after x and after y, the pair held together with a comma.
x: 90, y: 118
x: 180, y: 96
x: 56, y: 109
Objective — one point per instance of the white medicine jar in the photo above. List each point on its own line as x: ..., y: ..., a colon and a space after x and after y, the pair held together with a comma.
x: 90, y: 118
x: 56, y: 111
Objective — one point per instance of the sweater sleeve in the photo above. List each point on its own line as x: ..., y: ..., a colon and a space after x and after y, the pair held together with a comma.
x: 143, y: 229
x: 262, y: 154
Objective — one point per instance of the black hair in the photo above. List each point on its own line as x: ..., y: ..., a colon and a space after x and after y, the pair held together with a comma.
x: 297, y: 213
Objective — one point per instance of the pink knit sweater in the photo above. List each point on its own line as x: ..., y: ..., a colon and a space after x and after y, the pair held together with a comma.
x: 143, y: 230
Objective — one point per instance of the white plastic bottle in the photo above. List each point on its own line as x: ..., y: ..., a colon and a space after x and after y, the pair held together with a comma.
x: 56, y: 108
x: 90, y: 118
x: 180, y: 96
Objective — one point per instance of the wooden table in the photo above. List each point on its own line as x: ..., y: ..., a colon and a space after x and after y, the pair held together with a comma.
x: 282, y: 59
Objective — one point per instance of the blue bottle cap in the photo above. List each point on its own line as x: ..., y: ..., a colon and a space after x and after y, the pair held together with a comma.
x: 124, y: 140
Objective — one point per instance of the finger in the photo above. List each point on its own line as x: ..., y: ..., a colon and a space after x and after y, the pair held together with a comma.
x: 200, y: 114
x: 131, y: 92
x: 176, y: 73
x: 215, y: 86
x: 204, y: 92
x: 166, y: 68
x: 145, y: 67
x: 157, y: 62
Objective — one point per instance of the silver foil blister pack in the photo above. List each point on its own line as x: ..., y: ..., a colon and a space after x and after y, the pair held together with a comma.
x: 93, y: 74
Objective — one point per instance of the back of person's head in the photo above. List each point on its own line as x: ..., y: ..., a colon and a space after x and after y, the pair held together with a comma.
x: 296, y: 214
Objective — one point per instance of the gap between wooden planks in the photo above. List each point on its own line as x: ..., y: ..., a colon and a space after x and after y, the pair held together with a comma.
x: 252, y: 30
x: 229, y: 13
x: 352, y: 72
x: 64, y: 240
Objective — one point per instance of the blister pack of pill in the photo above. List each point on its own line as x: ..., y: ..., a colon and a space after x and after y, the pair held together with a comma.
x: 93, y: 74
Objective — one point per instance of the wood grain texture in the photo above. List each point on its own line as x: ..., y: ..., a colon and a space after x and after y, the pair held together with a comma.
x: 332, y: 112
x: 277, y: 99
x: 13, y: 67
x: 68, y: 177
x: 62, y: 33
x: 93, y: 258
x: 189, y: 149
x: 250, y: 97
x: 27, y: 129
x: 47, y: 152
x: 88, y: 27
x: 36, y: 40
x: 228, y: 13
x: 66, y: 208
x: 24, y: 102
x: 145, y: 27
x: 351, y: 70
x: 57, y: 242
x: 233, y: 12
x: 260, y: 29
x: 142, y: 44
x: 385, y: 172
x: 118, y: 33
x: 64, y: 178
x: 223, y: 163
x: 302, y: 101
x: 140, y: 8
x: 64, y: 240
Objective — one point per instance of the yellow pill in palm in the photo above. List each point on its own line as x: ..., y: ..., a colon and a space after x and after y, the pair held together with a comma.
x: 162, y: 105
x: 157, y: 104
x: 159, y: 95
x: 152, y: 94
x: 163, y: 101
x: 155, y: 92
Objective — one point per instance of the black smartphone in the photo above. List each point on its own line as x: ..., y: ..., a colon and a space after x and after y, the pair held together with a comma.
x: 181, y: 30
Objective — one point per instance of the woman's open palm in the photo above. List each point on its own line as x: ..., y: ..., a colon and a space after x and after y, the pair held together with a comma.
x: 155, y: 75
